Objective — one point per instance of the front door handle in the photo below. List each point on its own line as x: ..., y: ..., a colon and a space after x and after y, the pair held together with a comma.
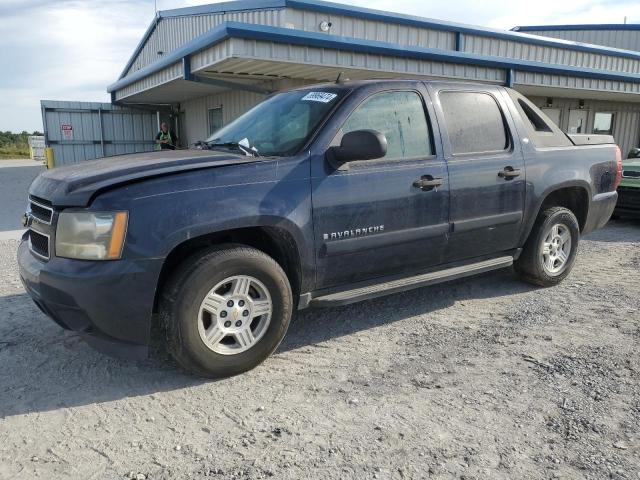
x: 427, y: 182
x: 509, y: 172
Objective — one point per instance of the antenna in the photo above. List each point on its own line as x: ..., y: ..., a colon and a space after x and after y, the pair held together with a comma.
x: 625, y: 19
x: 155, y: 6
x: 339, y: 79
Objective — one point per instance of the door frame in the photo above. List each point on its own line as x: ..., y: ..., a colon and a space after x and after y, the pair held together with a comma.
x: 322, y: 168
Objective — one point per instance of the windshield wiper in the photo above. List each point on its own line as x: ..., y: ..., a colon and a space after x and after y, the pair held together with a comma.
x: 236, y: 145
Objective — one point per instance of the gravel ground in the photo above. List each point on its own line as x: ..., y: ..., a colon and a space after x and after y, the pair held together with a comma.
x: 477, y: 379
x: 15, y: 178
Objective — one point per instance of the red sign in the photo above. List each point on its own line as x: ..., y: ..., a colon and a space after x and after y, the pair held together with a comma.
x: 67, y: 131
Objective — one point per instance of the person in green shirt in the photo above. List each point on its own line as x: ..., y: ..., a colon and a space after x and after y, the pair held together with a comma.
x: 166, y: 139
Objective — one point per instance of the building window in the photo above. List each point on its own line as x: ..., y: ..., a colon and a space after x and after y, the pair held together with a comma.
x: 474, y: 122
x: 603, y: 123
x: 215, y: 119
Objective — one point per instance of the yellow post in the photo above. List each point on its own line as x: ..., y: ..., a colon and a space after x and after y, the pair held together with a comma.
x: 49, y: 158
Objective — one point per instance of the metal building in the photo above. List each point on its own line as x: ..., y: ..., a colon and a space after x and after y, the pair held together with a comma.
x: 625, y: 36
x: 203, y: 66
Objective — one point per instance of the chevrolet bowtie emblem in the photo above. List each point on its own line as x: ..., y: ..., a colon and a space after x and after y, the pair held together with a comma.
x: 27, y: 219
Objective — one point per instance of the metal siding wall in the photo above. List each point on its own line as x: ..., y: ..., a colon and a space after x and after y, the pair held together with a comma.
x: 165, y: 75
x: 563, y: 81
x: 234, y: 103
x: 379, y: 65
x: 626, y: 124
x: 211, y: 55
x: 625, y: 39
x: 173, y: 32
x: 370, y: 30
x: 525, y: 51
x: 123, y: 130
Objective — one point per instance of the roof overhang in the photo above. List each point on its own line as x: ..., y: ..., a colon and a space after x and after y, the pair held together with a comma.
x: 331, y: 8
x: 578, y: 27
x: 247, y: 49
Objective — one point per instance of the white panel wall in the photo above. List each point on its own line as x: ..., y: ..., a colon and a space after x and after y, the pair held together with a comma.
x: 626, y: 124
x: 564, y: 81
x: 233, y: 103
x: 624, y: 39
x: 562, y: 56
x: 370, y: 29
x: 173, y: 32
x: 165, y: 75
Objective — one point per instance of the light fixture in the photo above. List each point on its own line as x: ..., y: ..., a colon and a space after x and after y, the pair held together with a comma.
x: 549, y: 102
x: 325, y: 26
x: 581, y: 104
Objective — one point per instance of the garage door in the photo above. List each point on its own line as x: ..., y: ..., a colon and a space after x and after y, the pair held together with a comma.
x: 79, y: 131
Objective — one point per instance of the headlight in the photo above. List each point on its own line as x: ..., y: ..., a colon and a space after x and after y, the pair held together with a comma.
x: 91, y: 235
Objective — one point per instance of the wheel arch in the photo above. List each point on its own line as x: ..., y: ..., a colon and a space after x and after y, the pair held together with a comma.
x: 574, y: 196
x: 275, y: 241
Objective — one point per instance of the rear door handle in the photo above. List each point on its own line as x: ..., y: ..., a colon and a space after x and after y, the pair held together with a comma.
x: 427, y: 182
x: 509, y: 172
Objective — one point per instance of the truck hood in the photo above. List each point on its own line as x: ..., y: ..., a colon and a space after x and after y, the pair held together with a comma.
x: 76, y: 185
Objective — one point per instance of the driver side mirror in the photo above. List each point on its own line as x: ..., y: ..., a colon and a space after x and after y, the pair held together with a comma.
x: 360, y: 145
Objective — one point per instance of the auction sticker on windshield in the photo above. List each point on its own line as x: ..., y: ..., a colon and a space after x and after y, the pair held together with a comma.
x: 324, y: 97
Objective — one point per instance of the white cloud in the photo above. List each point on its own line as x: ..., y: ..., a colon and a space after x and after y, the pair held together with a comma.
x: 72, y: 49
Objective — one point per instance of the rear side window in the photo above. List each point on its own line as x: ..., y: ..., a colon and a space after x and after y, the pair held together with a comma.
x: 542, y: 131
x: 474, y: 122
x: 401, y: 117
x: 536, y: 121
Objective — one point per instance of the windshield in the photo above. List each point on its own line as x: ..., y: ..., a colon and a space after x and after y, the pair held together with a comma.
x: 280, y: 125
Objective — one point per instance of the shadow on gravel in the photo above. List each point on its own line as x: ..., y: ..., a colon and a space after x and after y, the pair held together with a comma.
x: 620, y: 230
x: 316, y: 326
x: 43, y: 367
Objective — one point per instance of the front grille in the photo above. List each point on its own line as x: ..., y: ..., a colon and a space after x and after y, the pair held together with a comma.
x: 631, y: 173
x: 41, y: 209
x: 629, y: 197
x: 39, y: 244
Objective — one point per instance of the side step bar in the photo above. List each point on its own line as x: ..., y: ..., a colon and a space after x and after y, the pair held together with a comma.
x: 422, y: 280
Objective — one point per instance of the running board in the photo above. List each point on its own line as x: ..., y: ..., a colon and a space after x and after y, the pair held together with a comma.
x: 422, y: 280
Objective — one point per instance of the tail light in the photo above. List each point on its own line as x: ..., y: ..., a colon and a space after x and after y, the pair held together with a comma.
x: 618, y: 179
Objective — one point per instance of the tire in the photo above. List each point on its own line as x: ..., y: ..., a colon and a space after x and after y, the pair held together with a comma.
x: 534, y: 266
x: 212, y: 339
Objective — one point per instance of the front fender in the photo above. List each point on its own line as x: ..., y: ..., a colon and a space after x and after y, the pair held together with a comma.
x: 160, y: 222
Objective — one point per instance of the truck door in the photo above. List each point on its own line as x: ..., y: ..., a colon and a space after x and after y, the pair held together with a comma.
x: 486, y: 171
x: 374, y: 218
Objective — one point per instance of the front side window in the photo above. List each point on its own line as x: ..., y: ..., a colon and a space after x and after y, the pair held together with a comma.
x: 279, y: 126
x: 603, y: 123
x: 400, y: 117
x: 474, y: 122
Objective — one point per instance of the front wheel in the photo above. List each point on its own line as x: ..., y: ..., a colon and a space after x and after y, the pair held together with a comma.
x: 226, y: 310
x: 550, y: 252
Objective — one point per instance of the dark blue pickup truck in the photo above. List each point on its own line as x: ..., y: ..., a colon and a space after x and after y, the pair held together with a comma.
x: 319, y: 196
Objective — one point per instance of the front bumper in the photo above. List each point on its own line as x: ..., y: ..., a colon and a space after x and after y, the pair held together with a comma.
x: 109, y: 303
x: 628, y: 201
x: 600, y: 211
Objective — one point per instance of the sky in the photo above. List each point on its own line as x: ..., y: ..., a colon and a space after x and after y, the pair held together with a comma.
x: 73, y: 49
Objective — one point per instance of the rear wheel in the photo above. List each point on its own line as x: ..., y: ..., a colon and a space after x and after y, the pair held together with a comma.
x: 226, y: 310
x: 550, y: 252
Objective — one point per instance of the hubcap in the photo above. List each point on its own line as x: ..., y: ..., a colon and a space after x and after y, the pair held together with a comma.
x: 556, y: 248
x: 235, y: 315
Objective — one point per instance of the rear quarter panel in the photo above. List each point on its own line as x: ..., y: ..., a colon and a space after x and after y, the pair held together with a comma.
x: 591, y: 167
